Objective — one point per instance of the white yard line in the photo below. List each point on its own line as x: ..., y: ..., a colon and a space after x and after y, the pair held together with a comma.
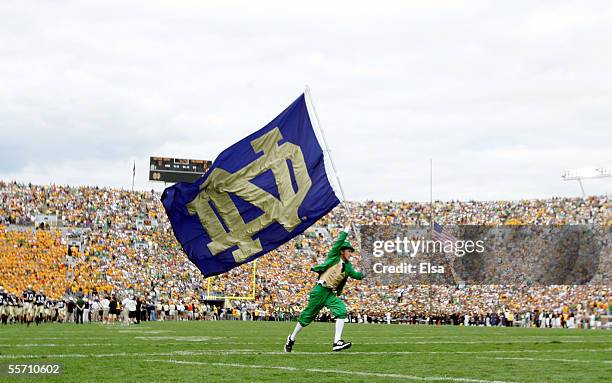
x: 122, y: 354
x: 138, y: 331
x: 27, y: 345
x: 333, y: 371
x: 445, y: 352
x: 436, y: 336
x: 553, y: 341
x: 215, y: 341
x: 188, y: 339
x: 546, y: 359
x: 417, y: 342
x: 70, y: 337
x: 256, y: 353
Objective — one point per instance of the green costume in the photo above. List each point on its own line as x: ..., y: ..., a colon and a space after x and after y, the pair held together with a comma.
x: 336, y: 272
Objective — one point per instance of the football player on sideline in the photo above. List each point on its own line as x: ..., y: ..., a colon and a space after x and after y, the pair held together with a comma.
x: 27, y: 311
x: 4, y: 307
x: 60, y: 307
x: 49, y: 311
x: 14, y: 311
x: 39, y: 306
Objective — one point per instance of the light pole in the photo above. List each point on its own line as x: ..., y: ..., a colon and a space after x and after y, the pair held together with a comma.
x: 579, y: 175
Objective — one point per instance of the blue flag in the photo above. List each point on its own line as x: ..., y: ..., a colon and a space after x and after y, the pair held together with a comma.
x: 258, y: 194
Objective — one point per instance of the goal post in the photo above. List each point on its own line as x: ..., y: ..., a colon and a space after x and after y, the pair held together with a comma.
x: 250, y: 297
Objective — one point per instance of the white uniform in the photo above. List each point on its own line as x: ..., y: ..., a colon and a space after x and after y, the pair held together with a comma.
x: 105, y: 304
x: 4, y: 304
x: 39, y: 304
x: 28, y: 303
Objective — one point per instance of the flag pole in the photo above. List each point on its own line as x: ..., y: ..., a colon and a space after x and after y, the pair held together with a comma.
x: 431, y: 194
x: 327, y: 150
x: 133, y: 175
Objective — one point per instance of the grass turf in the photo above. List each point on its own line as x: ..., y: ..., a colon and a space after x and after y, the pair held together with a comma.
x: 251, y: 352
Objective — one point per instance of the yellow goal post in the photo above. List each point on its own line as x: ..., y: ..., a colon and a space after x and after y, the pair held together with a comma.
x: 243, y: 298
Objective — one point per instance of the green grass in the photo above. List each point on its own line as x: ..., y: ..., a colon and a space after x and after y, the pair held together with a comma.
x: 229, y: 351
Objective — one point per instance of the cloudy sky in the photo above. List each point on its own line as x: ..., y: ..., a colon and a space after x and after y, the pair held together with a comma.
x: 503, y: 96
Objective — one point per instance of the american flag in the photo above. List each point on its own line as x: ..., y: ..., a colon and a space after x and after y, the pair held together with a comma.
x: 441, y: 234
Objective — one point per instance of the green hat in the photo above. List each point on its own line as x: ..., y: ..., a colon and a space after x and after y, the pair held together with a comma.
x: 347, y: 245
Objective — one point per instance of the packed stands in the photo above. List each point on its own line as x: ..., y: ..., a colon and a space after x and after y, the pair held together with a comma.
x: 113, y: 241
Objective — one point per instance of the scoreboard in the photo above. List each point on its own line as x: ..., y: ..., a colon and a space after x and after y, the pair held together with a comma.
x: 166, y: 169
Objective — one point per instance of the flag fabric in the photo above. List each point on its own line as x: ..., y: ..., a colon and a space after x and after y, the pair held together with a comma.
x: 258, y: 194
x: 134, y: 169
x: 441, y: 234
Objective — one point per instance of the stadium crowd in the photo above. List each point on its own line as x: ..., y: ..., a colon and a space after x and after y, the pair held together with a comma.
x: 112, y: 256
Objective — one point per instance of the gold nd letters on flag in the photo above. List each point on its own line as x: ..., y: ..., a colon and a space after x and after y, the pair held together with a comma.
x: 220, y: 183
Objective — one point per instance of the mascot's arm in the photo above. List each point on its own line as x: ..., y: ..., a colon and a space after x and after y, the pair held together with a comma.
x: 333, y: 256
x: 351, y: 272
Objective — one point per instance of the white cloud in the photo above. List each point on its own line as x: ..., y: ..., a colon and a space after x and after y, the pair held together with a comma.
x: 504, y: 97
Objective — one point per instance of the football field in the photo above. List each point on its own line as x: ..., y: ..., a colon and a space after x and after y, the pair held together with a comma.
x: 232, y: 351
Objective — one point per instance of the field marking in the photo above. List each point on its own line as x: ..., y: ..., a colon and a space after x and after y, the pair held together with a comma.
x: 469, y: 336
x: 116, y: 354
x: 186, y: 338
x: 547, y: 359
x: 231, y: 352
x: 70, y: 337
x: 60, y: 344
x: 333, y: 371
x: 528, y: 339
x: 551, y: 341
x: 493, y: 341
x: 259, y: 352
